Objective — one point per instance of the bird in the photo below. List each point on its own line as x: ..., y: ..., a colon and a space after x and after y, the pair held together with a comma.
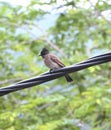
x: 53, y: 62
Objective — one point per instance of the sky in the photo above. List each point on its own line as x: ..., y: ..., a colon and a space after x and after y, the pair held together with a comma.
x: 17, y: 2
x: 106, y: 14
x: 26, y: 2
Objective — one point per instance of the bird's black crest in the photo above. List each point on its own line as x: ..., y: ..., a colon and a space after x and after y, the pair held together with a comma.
x: 44, y: 52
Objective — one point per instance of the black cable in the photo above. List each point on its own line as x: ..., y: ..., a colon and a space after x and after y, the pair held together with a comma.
x: 100, y: 59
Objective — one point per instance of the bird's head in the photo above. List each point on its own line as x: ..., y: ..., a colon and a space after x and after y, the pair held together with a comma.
x: 44, y: 52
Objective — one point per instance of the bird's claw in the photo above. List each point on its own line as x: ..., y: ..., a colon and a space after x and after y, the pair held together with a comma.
x: 52, y: 70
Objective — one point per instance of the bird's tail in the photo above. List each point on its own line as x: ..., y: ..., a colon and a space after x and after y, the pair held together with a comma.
x: 68, y: 78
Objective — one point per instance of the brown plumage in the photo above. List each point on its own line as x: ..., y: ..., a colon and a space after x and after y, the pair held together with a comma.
x: 53, y: 62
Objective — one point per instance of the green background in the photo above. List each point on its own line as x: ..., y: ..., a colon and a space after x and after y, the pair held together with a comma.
x: 74, y: 32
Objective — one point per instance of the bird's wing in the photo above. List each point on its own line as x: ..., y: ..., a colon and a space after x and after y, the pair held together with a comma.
x: 57, y: 60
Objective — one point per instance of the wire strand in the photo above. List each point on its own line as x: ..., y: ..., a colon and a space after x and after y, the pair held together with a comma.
x: 45, y: 77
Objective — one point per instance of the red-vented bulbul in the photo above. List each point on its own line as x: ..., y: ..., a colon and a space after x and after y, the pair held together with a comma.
x: 53, y: 62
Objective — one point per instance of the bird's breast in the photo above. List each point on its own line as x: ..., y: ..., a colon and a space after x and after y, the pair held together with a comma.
x: 50, y: 64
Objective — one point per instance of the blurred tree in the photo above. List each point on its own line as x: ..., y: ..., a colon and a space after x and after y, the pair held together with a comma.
x: 81, y: 30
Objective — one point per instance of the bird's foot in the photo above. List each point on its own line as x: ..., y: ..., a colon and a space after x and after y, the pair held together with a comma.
x: 53, y: 70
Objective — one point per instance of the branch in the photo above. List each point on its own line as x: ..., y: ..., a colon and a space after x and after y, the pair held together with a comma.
x: 47, y: 41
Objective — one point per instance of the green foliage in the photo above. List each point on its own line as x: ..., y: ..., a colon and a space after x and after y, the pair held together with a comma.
x: 80, y: 31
